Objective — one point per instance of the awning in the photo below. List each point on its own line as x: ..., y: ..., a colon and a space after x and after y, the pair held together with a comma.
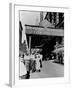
x: 58, y: 50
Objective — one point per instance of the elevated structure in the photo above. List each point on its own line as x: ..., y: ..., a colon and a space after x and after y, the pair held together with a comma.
x: 51, y: 25
x: 31, y: 29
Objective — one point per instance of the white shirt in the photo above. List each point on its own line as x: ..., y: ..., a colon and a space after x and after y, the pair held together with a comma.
x: 23, y: 70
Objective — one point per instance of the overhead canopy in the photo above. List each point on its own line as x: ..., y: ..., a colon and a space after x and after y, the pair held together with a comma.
x: 32, y: 29
x: 44, y: 28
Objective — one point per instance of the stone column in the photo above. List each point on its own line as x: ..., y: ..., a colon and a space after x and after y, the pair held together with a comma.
x: 41, y: 16
x: 57, y: 18
x: 52, y: 18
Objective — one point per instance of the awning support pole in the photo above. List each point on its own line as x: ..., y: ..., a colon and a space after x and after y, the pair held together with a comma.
x: 30, y: 44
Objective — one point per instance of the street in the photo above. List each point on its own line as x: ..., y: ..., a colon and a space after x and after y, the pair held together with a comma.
x: 49, y: 69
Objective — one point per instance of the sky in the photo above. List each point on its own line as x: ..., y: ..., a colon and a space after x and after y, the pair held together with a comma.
x: 30, y: 18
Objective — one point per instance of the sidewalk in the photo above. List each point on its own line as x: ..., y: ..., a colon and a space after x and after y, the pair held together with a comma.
x: 49, y: 69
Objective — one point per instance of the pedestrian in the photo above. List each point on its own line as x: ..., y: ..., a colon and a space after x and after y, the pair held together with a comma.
x: 33, y: 62
x: 23, y: 70
x: 27, y: 64
x: 37, y: 63
x: 40, y: 56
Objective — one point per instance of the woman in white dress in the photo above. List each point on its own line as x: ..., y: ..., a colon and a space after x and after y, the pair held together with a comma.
x: 23, y: 70
x: 37, y: 63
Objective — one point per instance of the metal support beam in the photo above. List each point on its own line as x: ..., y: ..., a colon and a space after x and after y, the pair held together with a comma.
x: 30, y: 44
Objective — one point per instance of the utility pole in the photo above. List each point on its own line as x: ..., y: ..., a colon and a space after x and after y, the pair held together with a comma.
x: 30, y: 44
